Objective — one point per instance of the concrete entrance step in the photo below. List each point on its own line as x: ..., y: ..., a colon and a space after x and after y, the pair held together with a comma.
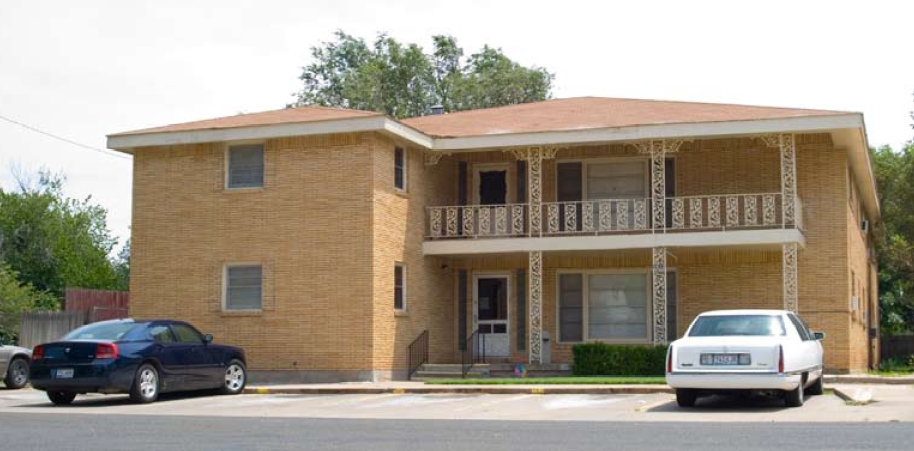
x: 452, y: 367
x: 448, y: 375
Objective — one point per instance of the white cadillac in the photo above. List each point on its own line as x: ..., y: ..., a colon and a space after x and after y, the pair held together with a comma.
x: 761, y: 351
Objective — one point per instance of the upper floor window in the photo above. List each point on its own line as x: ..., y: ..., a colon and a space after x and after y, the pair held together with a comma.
x: 243, y: 287
x: 245, y: 166
x: 400, y: 169
x: 399, y: 287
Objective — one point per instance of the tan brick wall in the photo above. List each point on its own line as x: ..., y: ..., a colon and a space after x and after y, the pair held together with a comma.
x: 310, y: 226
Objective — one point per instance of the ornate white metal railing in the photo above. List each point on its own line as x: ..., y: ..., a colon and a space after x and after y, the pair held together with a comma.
x: 475, y: 221
x: 609, y: 216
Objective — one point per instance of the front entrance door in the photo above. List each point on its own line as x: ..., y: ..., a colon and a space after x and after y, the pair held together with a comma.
x: 491, y: 314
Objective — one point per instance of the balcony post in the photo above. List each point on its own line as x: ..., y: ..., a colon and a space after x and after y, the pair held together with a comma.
x: 534, y: 157
x: 658, y: 295
x: 791, y: 291
x: 786, y: 144
x: 535, y: 298
x: 657, y: 149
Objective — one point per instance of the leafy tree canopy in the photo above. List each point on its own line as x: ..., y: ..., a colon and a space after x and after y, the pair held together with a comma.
x: 403, y: 81
x: 895, y: 180
x: 52, y: 241
x: 15, y: 298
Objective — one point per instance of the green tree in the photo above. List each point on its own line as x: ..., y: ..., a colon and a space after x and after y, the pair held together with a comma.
x: 403, y: 81
x: 895, y: 180
x: 52, y: 241
x: 122, y: 268
x: 17, y: 297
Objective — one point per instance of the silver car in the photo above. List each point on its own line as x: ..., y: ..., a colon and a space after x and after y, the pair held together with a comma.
x: 14, y: 366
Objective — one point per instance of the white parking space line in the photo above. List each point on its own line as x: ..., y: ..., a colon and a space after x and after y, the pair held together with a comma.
x: 581, y: 401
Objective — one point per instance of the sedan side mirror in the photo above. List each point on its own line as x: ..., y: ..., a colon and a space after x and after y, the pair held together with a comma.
x: 819, y: 335
x: 208, y: 338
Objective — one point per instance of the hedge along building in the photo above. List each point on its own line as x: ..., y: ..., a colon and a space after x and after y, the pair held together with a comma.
x: 327, y: 241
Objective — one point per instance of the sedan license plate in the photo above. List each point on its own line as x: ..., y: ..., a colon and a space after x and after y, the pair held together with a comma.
x: 63, y: 373
x: 725, y: 359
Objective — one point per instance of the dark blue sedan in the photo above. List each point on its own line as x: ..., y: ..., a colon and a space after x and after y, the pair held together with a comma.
x: 142, y: 358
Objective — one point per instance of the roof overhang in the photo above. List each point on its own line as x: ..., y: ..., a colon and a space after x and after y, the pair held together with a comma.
x: 847, y: 130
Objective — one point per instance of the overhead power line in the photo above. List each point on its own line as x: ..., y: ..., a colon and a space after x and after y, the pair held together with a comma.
x: 61, y: 138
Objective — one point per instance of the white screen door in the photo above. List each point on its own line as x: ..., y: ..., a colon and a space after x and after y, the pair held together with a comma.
x: 491, y: 314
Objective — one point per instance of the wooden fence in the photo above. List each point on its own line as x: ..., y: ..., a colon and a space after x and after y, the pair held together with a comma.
x: 896, y: 347
x: 101, y: 304
x: 41, y: 327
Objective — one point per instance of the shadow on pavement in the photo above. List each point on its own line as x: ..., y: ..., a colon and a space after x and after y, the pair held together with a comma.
x: 727, y: 404
x: 96, y: 400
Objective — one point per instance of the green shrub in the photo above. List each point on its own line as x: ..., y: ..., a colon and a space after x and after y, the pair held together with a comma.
x: 600, y: 359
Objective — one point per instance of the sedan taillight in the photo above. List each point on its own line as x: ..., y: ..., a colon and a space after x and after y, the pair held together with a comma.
x: 106, y: 351
x: 781, y: 359
x: 669, y: 360
x: 38, y: 352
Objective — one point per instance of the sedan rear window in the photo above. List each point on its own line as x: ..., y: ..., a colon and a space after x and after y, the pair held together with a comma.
x: 729, y: 325
x: 102, y: 331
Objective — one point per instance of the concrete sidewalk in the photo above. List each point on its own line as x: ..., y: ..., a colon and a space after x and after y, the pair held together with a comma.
x: 403, y: 387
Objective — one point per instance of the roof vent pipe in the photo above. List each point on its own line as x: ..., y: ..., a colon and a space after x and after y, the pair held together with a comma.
x: 437, y: 109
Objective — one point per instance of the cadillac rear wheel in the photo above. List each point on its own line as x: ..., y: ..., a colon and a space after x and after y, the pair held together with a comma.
x: 816, y: 388
x: 686, y: 397
x: 794, y: 398
x: 61, y: 398
x: 235, y: 378
x: 145, y: 387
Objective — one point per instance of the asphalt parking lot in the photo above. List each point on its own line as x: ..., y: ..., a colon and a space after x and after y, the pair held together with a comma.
x: 525, y: 407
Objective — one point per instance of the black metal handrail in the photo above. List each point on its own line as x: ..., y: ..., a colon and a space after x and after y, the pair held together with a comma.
x: 418, y: 353
x: 474, y: 351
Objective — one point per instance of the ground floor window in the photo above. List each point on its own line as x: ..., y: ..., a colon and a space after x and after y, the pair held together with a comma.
x: 611, y: 306
x: 243, y: 287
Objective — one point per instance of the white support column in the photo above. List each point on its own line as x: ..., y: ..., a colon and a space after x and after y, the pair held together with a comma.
x: 535, y: 191
x: 791, y: 291
x: 535, y: 300
x: 657, y: 149
x: 786, y: 144
x: 658, y: 296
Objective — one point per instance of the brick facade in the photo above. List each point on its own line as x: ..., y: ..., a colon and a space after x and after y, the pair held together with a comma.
x: 328, y: 227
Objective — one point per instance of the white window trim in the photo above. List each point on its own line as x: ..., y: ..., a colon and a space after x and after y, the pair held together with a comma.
x: 585, y: 315
x: 405, y: 187
x: 225, y: 269
x: 402, y: 266
x: 226, y: 157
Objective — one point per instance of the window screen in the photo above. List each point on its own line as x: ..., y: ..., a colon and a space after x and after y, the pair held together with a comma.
x: 245, y: 168
x: 571, y: 307
x: 244, y: 287
x: 399, y: 287
x: 399, y: 168
x: 617, y: 306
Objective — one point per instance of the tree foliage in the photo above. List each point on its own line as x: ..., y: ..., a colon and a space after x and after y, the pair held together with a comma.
x: 17, y: 297
x: 401, y: 80
x: 52, y: 241
x: 895, y: 180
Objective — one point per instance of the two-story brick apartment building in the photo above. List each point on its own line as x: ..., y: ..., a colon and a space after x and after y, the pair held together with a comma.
x: 325, y: 241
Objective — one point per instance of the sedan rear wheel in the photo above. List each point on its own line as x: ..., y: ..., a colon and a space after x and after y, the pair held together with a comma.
x: 686, y: 397
x: 235, y: 378
x: 794, y: 398
x: 61, y: 398
x: 816, y: 388
x: 17, y: 375
x: 145, y: 384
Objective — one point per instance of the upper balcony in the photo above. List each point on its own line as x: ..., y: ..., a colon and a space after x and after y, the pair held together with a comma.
x: 708, y: 220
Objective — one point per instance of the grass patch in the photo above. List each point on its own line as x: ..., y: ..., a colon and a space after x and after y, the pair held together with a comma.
x: 892, y: 373
x: 575, y: 380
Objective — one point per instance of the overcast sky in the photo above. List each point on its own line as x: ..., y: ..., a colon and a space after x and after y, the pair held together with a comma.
x: 83, y: 69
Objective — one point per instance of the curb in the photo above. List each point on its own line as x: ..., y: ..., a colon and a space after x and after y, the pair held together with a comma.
x: 840, y: 393
x: 832, y: 379
x: 495, y: 390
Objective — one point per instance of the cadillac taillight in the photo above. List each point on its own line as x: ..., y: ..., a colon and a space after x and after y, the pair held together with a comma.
x: 781, y: 359
x: 106, y: 351
x: 669, y: 360
x: 38, y: 352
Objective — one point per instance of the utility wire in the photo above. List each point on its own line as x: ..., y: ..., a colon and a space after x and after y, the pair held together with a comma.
x: 60, y: 138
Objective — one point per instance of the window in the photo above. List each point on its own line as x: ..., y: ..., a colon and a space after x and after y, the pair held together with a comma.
x: 603, y: 306
x: 245, y: 166
x: 101, y: 331
x: 400, y: 169
x: 243, y: 287
x: 737, y: 325
x: 802, y: 330
x: 186, y: 334
x: 399, y: 287
x: 161, y: 334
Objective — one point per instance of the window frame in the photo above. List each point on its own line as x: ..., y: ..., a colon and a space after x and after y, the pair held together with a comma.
x: 585, y: 305
x: 227, y: 169
x: 403, y: 306
x: 585, y: 192
x: 225, y: 282
x: 405, y: 169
